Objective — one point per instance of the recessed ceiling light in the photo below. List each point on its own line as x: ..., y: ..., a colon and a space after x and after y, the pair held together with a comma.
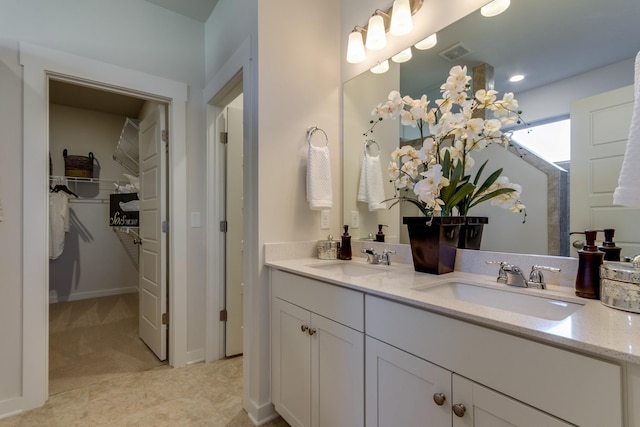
x: 516, y: 78
x: 495, y: 8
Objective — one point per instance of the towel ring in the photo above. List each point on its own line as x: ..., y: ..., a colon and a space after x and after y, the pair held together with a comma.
x: 368, y: 143
x: 313, y: 130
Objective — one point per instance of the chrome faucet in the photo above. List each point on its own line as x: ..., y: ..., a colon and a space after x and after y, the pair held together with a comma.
x: 512, y: 275
x: 374, y: 257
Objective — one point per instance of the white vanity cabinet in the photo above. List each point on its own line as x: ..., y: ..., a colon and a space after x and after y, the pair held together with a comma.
x: 501, y: 379
x: 405, y: 390
x: 317, y: 352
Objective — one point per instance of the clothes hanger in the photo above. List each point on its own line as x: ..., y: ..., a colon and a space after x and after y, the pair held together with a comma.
x: 65, y: 189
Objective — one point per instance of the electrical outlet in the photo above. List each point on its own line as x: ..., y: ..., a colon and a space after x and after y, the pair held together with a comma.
x: 355, y: 219
x: 324, y: 220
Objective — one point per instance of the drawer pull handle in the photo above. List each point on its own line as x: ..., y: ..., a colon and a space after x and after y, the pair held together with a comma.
x: 312, y: 331
x: 459, y: 409
x: 304, y: 328
x: 439, y: 398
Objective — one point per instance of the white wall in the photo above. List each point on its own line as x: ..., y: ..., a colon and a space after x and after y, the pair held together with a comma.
x: 130, y: 33
x: 96, y: 261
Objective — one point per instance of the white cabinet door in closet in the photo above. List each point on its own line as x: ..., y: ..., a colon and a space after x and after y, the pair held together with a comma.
x: 152, y: 283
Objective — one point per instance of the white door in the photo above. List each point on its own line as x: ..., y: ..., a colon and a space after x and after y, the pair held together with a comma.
x: 291, y: 364
x: 234, y: 237
x: 337, y: 374
x: 402, y: 389
x: 152, y: 264
x: 599, y: 133
x: 484, y: 407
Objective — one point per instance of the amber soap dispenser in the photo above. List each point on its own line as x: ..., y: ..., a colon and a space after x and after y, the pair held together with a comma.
x: 345, y: 247
x: 589, y: 262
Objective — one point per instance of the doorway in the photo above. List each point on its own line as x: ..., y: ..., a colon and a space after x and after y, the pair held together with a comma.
x: 98, y: 280
x: 39, y: 64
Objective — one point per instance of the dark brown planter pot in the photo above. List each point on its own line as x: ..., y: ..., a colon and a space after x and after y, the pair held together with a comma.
x: 471, y: 232
x: 433, y: 246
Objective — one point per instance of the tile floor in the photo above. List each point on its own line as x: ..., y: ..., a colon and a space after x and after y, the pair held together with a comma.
x: 102, y: 375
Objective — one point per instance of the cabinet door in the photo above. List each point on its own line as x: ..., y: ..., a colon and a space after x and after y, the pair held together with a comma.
x: 337, y: 374
x: 291, y: 364
x: 400, y: 389
x: 487, y: 408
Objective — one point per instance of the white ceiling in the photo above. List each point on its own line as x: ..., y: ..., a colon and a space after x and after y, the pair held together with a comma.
x: 547, y: 40
x: 199, y: 10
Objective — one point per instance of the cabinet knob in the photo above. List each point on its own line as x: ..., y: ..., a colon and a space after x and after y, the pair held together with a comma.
x: 459, y: 409
x: 304, y: 328
x: 439, y: 398
x: 312, y: 331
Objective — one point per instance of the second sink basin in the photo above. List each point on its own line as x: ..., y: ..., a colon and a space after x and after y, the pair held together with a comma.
x: 504, y: 299
x: 350, y: 269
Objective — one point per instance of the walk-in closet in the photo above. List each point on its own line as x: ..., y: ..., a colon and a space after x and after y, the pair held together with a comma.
x: 94, y: 266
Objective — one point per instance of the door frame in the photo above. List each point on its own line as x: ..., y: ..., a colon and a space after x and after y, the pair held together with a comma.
x: 39, y: 64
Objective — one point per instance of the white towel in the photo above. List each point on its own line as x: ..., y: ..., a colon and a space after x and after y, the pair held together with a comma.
x: 371, y: 188
x: 319, y: 188
x: 628, y: 191
x: 58, y: 222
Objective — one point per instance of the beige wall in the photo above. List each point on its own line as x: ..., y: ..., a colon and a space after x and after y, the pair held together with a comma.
x: 132, y: 34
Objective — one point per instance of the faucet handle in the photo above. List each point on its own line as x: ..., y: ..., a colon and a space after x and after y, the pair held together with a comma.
x: 502, y: 275
x: 536, y: 278
x: 371, y: 255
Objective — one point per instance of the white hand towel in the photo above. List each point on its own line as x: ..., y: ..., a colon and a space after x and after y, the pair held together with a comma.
x: 371, y: 189
x: 628, y: 191
x: 319, y: 191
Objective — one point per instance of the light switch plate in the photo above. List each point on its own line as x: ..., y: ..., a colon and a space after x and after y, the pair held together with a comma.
x: 195, y: 220
x: 355, y: 219
x: 324, y: 220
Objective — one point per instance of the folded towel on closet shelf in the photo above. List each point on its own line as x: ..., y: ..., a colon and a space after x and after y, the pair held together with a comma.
x: 319, y: 187
x: 371, y: 189
x: 628, y: 191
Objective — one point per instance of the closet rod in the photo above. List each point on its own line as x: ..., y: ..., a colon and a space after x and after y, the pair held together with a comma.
x: 79, y: 179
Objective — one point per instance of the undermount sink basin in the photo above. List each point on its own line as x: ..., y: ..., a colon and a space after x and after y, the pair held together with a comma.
x: 350, y: 269
x: 504, y: 299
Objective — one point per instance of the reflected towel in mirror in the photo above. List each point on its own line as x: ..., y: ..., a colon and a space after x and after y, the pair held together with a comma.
x: 371, y: 189
x: 628, y: 191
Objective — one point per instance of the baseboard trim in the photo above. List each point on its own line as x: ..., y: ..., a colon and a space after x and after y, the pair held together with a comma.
x: 260, y: 414
x: 195, y: 356
x: 93, y: 294
x: 10, y: 407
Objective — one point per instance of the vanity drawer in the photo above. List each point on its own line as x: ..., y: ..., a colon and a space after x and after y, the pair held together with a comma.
x: 340, y: 304
x: 577, y: 388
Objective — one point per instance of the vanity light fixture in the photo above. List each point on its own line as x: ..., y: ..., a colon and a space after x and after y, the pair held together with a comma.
x: 495, y: 8
x: 397, y: 20
x: 401, y: 21
x: 376, y: 34
x: 381, y: 68
x: 516, y: 78
x: 403, y: 56
x: 427, y: 43
x: 355, y: 47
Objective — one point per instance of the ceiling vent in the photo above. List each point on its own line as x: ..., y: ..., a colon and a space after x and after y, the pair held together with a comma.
x: 454, y: 52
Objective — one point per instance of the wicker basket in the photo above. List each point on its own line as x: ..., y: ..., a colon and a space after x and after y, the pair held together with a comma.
x: 78, y: 166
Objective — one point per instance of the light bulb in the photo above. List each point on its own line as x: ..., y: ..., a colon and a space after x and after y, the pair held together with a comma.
x: 381, y: 68
x: 427, y: 43
x: 376, y: 37
x: 403, y: 56
x: 355, y: 48
x: 496, y: 7
x: 401, y: 21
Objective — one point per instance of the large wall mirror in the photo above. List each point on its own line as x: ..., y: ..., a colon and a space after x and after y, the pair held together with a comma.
x: 567, y: 51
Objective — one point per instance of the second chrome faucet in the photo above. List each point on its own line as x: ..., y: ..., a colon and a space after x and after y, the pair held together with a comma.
x: 512, y: 275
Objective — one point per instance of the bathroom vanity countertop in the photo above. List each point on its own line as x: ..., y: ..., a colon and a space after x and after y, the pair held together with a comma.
x: 594, y: 328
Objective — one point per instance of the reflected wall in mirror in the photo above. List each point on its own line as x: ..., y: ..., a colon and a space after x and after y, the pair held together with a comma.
x: 567, y: 51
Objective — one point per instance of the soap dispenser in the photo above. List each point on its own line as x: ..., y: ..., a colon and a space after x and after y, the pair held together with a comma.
x: 380, y: 234
x: 589, y: 262
x: 345, y: 247
x: 611, y: 251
